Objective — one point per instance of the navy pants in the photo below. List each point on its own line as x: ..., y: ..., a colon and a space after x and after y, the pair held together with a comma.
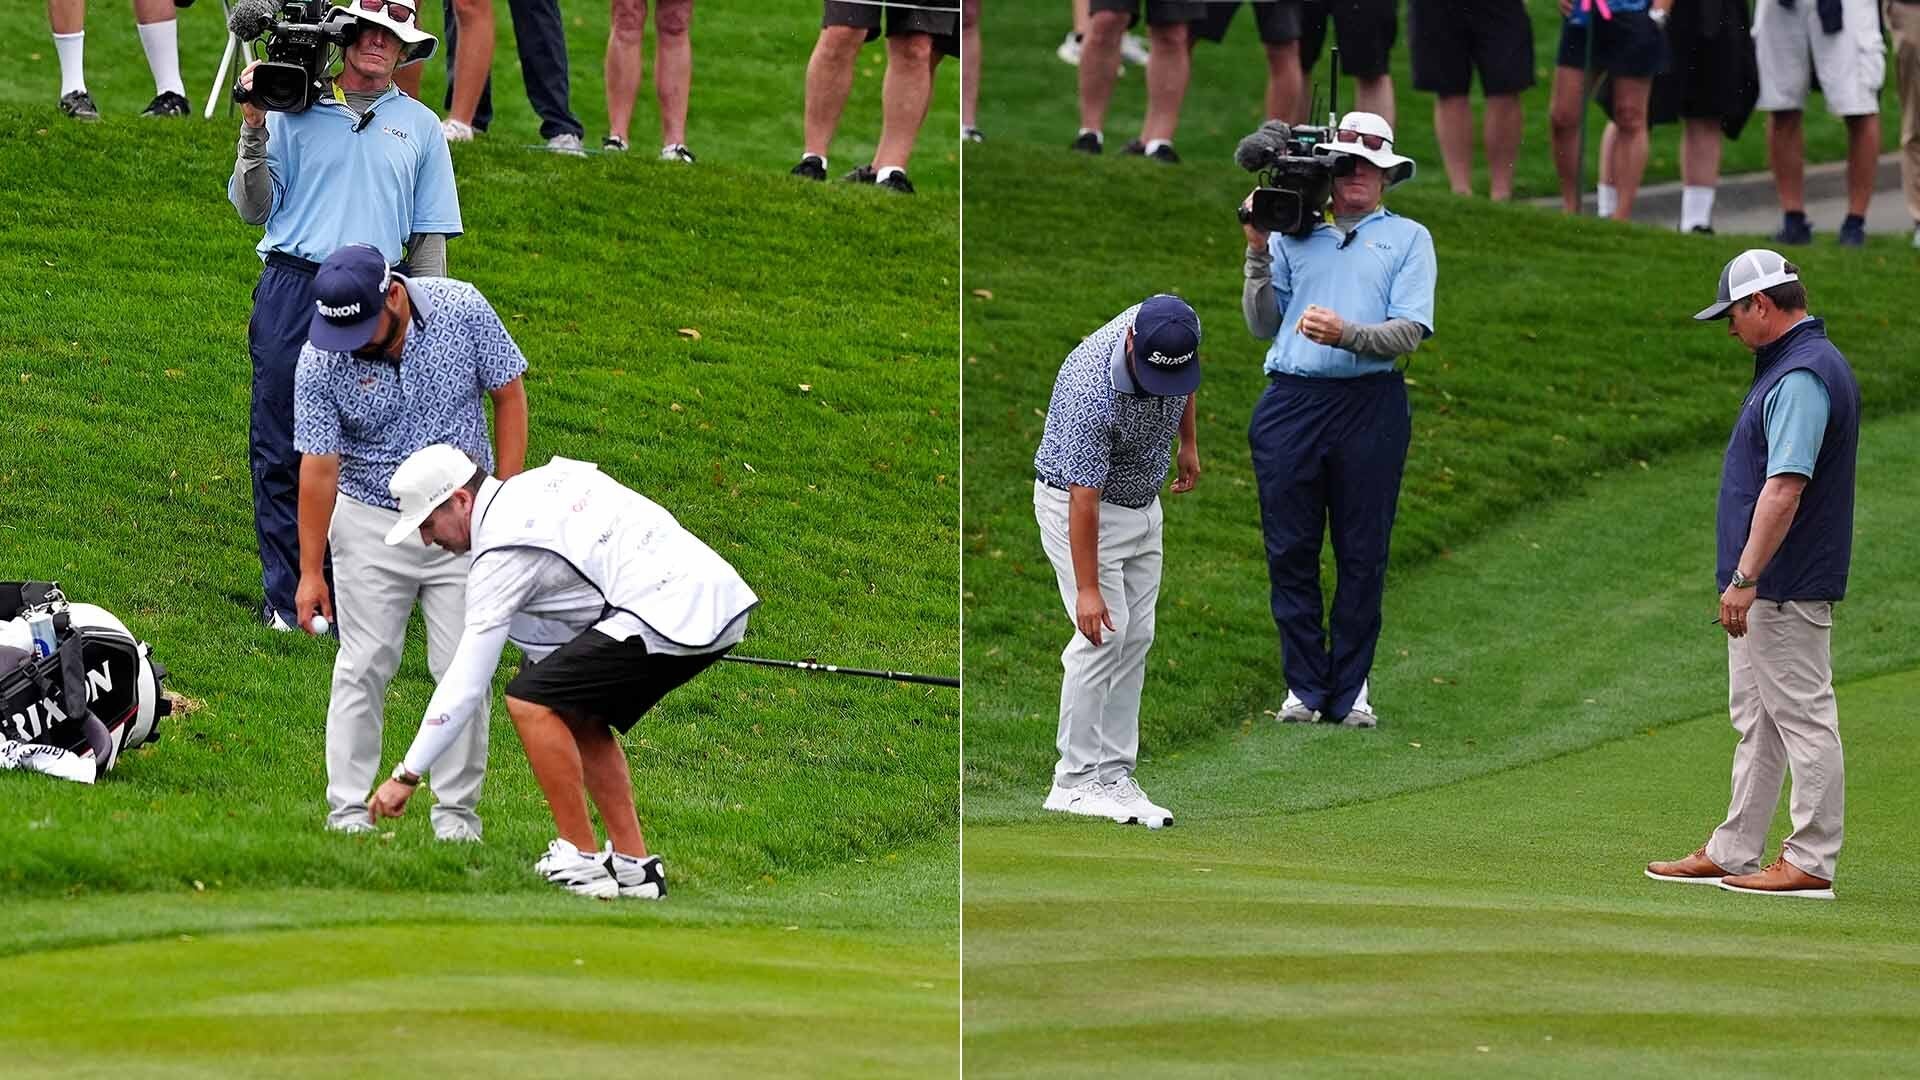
x: 541, y: 39
x: 1329, y: 453
x: 282, y: 310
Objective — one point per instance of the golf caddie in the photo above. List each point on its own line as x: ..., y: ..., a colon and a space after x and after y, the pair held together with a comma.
x: 1119, y: 401
x: 1785, y: 542
x: 614, y: 603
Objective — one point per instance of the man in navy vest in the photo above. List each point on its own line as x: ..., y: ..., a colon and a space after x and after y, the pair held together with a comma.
x: 1785, y: 529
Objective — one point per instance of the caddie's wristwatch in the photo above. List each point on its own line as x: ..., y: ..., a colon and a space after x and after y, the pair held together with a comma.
x: 401, y: 774
x: 1740, y: 581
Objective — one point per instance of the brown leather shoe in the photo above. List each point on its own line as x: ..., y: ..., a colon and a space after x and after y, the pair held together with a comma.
x: 1781, y: 879
x: 1695, y: 869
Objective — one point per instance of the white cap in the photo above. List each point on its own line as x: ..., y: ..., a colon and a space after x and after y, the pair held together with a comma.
x: 415, y: 43
x: 1749, y: 272
x: 423, y: 482
x: 1397, y: 168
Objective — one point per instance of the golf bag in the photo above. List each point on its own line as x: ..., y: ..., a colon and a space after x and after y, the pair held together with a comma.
x: 96, y: 696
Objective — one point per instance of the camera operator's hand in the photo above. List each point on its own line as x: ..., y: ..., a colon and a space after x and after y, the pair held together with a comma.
x: 250, y: 114
x: 1256, y: 238
x: 1321, y: 326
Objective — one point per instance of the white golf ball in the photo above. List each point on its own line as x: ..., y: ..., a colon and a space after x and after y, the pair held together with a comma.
x: 319, y: 624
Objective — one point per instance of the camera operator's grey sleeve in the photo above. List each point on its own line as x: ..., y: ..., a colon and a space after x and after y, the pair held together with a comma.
x: 1395, y: 337
x: 427, y: 254
x: 252, y: 189
x: 1257, y: 300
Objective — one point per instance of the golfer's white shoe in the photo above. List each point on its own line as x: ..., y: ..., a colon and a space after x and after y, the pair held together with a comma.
x: 1088, y: 799
x: 455, y: 131
x: 1135, y: 807
x: 1295, y: 711
x: 1362, y: 714
x: 456, y: 832
x: 579, y: 872
x: 639, y: 879
x: 350, y: 825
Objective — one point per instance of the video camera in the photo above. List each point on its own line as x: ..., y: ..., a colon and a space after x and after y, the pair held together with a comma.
x: 1296, y: 178
x: 299, y: 35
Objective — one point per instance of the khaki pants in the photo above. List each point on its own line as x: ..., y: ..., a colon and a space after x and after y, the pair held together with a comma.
x: 1780, y: 697
x: 1099, y: 735
x: 375, y: 587
x: 1903, y: 20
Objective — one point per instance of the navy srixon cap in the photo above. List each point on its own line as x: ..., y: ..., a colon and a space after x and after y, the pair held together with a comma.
x: 349, y: 291
x: 1166, y: 346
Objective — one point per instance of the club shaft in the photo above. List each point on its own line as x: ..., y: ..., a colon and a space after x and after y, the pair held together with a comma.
x: 835, y: 669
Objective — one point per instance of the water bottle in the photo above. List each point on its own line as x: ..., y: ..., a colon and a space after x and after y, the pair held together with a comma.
x: 41, y: 625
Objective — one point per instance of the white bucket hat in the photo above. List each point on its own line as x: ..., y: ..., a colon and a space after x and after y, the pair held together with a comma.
x: 1366, y: 127
x: 1749, y: 272
x: 416, y: 43
x: 422, y: 482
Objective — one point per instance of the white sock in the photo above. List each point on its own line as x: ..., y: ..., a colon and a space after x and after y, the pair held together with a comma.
x: 1696, y: 207
x: 161, y: 40
x: 885, y: 171
x: 72, y: 74
x: 1608, y: 199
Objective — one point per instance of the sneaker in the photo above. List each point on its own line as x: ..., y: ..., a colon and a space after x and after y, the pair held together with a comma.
x: 1136, y: 807
x: 676, y: 152
x: 1162, y: 153
x: 273, y: 620
x: 1069, y: 50
x: 1295, y: 711
x: 579, y: 872
x: 80, y: 106
x: 896, y: 180
x: 351, y: 826
x: 1781, y: 879
x: 455, y: 131
x: 1362, y: 714
x: 638, y: 879
x: 811, y: 167
x: 1794, y: 232
x: 1853, y: 234
x: 1133, y: 49
x: 167, y: 104
x: 862, y: 175
x: 1701, y: 230
x: 1088, y: 142
x: 614, y: 143
x: 972, y: 134
x: 1089, y: 798
x: 456, y: 831
x: 567, y: 144
x: 1695, y: 869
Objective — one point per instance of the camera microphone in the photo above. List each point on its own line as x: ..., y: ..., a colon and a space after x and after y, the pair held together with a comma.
x: 251, y: 18
x: 1258, y: 150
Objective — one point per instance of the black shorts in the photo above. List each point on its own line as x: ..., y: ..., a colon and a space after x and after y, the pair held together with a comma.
x: 944, y: 26
x: 596, y: 677
x: 1278, y: 20
x: 1630, y: 45
x: 1159, y: 12
x: 1453, y: 37
x: 1364, y: 30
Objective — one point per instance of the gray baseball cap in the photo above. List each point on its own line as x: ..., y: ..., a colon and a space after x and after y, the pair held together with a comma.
x: 1747, y: 273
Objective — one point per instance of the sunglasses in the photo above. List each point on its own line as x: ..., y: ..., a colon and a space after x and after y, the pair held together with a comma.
x: 1371, y: 142
x: 398, y: 12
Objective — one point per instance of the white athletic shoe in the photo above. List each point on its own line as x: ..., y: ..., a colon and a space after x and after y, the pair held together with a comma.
x: 1135, y: 807
x: 1089, y: 798
x: 1295, y: 711
x: 456, y: 832
x: 1133, y: 49
x: 1069, y: 50
x: 352, y: 826
x: 567, y: 144
x: 677, y: 153
x: 455, y: 131
x: 639, y: 879
x: 579, y: 872
x: 1362, y: 714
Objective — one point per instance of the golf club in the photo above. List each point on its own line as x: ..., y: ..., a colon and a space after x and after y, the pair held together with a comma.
x: 809, y: 665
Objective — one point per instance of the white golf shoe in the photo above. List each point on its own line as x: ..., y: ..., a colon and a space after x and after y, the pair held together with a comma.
x: 638, y: 879
x: 1295, y: 711
x: 1362, y: 714
x: 1133, y: 50
x: 1135, y: 807
x: 1089, y: 798
x: 583, y: 873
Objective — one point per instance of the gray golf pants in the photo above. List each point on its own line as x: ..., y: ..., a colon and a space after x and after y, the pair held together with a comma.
x: 1099, y: 737
x: 1780, y: 697
x: 375, y: 588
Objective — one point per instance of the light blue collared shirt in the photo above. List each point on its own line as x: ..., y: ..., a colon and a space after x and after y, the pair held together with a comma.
x: 334, y: 186
x: 1383, y: 269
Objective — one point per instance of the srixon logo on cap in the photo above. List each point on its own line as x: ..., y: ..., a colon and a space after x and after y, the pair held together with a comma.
x: 1162, y: 359
x: 341, y: 312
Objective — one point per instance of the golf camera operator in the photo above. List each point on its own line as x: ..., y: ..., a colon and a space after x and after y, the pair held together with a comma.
x: 345, y: 159
x: 1340, y: 302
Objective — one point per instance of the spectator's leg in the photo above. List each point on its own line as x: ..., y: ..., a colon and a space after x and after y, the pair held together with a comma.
x: 1284, y: 94
x: 905, y: 93
x: 1453, y: 127
x: 1563, y: 117
x: 159, y: 39
x: 969, y: 62
x: 1629, y: 153
x: 625, y: 61
x: 1606, y: 197
x: 1375, y: 95
x: 1169, y: 65
x: 469, y: 69
x: 1100, y: 66
x: 1786, y: 153
x: 1699, y: 170
x: 68, y: 20
x: 673, y: 67
x: 1080, y: 17
x: 540, y: 37
x: 1904, y: 23
x: 1502, y: 126
x: 1863, y: 154
x: 829, y: 80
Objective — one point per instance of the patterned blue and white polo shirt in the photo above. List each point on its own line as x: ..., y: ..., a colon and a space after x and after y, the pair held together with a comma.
x: 1102, y: 434
x: 374, y: 413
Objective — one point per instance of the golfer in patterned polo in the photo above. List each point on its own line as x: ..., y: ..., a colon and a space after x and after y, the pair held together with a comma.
x: 1118, y: 402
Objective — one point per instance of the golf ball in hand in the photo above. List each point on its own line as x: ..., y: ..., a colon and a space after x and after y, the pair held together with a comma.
x: 319, y: 624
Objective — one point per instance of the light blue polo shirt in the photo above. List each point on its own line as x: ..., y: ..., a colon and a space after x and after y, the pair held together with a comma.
x: 334, y: 186
x: 1384, y: 271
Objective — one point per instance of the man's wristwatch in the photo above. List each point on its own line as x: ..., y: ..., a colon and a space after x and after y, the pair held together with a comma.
x: 1658, y: 15
x: 1741, y: 581
x: 411, y: 779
